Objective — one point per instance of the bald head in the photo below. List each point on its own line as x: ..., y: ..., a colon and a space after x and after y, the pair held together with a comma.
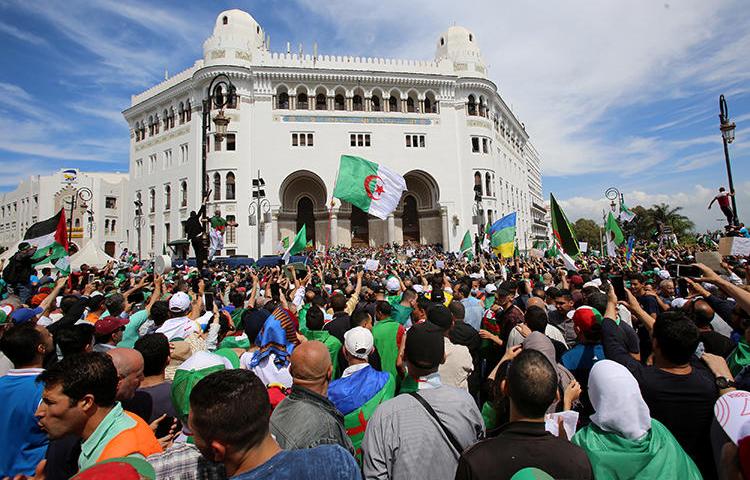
x: 536, y: 302
x: 703, y: 313
x: 310, y: 364
x: 129, y: 365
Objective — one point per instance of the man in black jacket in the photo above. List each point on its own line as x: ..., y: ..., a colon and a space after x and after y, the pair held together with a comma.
x: 17, y: 273
x: 195, y: 232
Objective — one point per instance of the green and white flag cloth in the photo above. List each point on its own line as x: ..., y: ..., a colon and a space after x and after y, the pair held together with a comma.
x: 371, y: 187
x: 614, y: 235
x: 51, y: 239
x: 355, y: 422
x: 298, y: 245
x: 626, y: 215
x: 467, y: 246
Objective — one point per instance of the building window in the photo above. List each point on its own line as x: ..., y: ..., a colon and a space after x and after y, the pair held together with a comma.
x: 110, y: 202
x: 217, y: 186
x: 411, y: 105
x: 167, y: 197
x: 183, y: 194
x: 183, y: 154
x: 231, y: 233
x: 181, y: 112
x: 471, y: 105
x: 415, y: 140
x: 478, y: 184
x: 152, y: 200
x: 320, y: 102
x: 338, y: 102
x: 152, y: 163
x: 106, y: 225
x: 152, y: 231
x: 302, y: 139
x: 393, y: 104
x: 475, y: 144
x: 375, y: 103
x: 231, y: 142
x: 167, y: 233
x: 357, y: 105
x: 139, y: 167
x: 485, y: 145
x: 168, y: 158
x: 488, y: 184
x: 188, y: 111
x: 230, y: 186
x: 302, y: 103
x: 283, y: 101
x: 359, y: 140
x: 113, y: 226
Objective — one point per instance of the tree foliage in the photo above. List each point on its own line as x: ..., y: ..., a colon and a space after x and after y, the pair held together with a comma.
x: 646, y: 223
x: 587, y: 231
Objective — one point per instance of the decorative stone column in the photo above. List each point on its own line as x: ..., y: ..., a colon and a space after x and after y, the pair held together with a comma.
x: 274, y: 227
x: 444, y: 223
x: 391, y: 229
x: 334, y: 226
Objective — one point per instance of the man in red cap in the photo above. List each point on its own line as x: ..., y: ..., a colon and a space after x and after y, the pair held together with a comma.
x: 108, y: 332
x: 587, y: 322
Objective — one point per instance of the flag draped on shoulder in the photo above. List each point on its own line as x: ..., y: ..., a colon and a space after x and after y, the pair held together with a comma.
x: 298, y: 244
x: 467, y: 246
x: 51, y: 239
x: 371, y: 187
x: 355, y: 421
x: 614, y: 235
x: 503, y: 235
x: 561, y: 229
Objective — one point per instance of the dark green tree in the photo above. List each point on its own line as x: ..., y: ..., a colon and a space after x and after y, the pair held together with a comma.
x: 587, y: 231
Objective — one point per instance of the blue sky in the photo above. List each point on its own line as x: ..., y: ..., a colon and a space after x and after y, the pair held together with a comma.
x: 612, y: 93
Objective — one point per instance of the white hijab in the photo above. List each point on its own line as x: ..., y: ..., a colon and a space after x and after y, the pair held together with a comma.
x: 615, y: 396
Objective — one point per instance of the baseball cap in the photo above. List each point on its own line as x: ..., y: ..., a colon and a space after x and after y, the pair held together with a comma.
x: 107, y: 325
x: 24, y: 245
x: 576, y: 280
x: 179, y: 302
x: 425, y: 347
x: 440, y: 316
x: 586, y: 317
x: 118, y: 469
x: 5, y: 311
x: 359, y: 342
x: 392, y: 284
x: 490, y: 288
x: 23, y: 315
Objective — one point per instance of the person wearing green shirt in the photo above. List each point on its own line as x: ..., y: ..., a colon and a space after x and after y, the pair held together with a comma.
x: 218, y: 224
x: 402, y: 310
x: 131, y: 334
x: 489, y: 295
x: 314, y: 331
x: 388, y: 334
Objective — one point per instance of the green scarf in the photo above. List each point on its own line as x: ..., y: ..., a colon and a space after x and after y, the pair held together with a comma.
x: 740, y: 357
x: 656, y: 455
x: 385, y: 334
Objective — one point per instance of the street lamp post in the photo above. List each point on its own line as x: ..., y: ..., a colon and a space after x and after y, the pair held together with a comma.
x: 83, y: 194
x: 220, y: 93
x: 612, y: 194
x: 91, y: 223
x: 138, y: 222
x: 727, y: 137
x: 259, y: 207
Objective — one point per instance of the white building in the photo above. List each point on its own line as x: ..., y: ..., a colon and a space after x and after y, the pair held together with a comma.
x: 97, y: 216
x: 441, y: 123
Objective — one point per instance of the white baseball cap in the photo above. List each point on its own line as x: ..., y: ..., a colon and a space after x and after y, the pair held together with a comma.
x: 358, y: 342
x: 490, y: 288
x: 392, y: 284
x: 179, y: 302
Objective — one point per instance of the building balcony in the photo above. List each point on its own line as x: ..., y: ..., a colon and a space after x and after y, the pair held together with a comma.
x: 540, y: 223
x: 538, y: 207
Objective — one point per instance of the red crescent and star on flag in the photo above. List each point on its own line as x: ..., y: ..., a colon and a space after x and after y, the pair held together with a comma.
x: 374, y: 187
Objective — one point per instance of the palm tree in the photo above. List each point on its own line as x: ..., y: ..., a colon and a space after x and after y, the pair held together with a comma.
x: 670, y: 216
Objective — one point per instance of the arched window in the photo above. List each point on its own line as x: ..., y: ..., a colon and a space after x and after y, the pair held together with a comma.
x: 482, y: 107
x: 188, y: 111
x: 338, y: 102
x: 167, y: 197
x: 472, y: 105
x: 478, y: 183
x: 78, y: 223
x: 376, y: 102
x: 224, y: 20
x: 393, y: 104
x: 184, y: 193
x: 151, y: 125
x: 230, y: 186
x: 430, y: 105
x: 106, y: 225
x: 112, y: 225
x: 410, y: 107
x: 152, y: 200
x: 302, y: 101
x: 217, y: 186
x: 171, y: 117
x: 357, y: 105
x: 320, y: 102
x: 165, y: 117
x: 283, y: 101
x: 488, y: 184
x: 181, y: 111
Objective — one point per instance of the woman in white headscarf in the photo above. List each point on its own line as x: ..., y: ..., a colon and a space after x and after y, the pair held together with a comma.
x: 623, y: 441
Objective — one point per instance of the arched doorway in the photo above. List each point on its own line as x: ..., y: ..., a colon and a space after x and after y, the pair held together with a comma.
x: 109, y: 248
x: 360, y: 228
x: 411, y: 220
x: 306, y: 217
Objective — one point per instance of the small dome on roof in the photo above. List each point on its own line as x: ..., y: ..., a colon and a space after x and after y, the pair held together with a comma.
x: 236, y: 38
x: 459, y: 45
x: 235, y: 18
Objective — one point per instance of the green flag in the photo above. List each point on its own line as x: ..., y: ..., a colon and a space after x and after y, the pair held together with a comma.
x: 614, y: 235
x: 285, y: 243
x: 373, y: 188
x: 466, y: 246
x: 561, y: 228
x: 355, y: 421
x: 299, y: 243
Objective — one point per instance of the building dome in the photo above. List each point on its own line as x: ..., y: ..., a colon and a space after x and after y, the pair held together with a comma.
x: 459, y: 45
x: 235, y: 38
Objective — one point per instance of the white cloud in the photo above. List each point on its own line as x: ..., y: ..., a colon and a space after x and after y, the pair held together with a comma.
x: 21, y: 35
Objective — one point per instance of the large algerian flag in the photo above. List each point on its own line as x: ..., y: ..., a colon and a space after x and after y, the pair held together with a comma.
x: 561, y: 229
x: 355, y: 421
x: 285, y: 243
x: 626, y: 214
x: 466, y: 246
x: 503, y: 235
x: 371, y: 187
x: 299, y: 243
x: 51, y: 239
x: 614, y: 235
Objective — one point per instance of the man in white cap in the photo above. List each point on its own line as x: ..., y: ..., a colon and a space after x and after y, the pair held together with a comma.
x: 179, y: 325
x: 361, y: 388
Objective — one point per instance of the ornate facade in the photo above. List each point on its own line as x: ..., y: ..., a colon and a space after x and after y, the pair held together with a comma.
x: 440, y: 123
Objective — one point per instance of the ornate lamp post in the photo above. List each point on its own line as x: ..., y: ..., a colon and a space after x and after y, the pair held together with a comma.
x: 220, y: 93
x: 259, y: 207
x: 83, y: 194
x: 138, y: 222
x: 727, y: 137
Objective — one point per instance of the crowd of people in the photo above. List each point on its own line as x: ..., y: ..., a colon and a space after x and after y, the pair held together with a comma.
x: 396, y: 362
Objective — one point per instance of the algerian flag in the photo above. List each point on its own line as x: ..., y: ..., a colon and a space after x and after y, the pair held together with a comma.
x: 625, y: 214
x: 562, y: 229
x: 355, y: 421
x: 614, y: 235
x: 299, y: 243
x: 466, y: 246
x: 285, y: 243
x: 369, y: 186
x: 51, y: 239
